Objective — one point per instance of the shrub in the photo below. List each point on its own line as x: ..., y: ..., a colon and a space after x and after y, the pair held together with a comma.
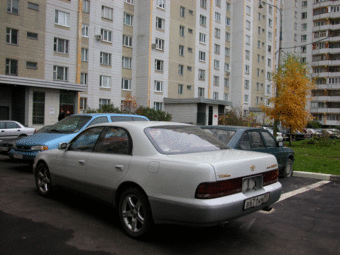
x: 153, y: 114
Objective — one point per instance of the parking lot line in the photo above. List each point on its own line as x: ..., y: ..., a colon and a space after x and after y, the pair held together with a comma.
x: 302, y: 190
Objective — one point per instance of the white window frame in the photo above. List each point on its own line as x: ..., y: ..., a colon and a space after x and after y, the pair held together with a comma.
x: 158, y: 86
x: 83, y: 103
x: 105, y: 82
x: 180, y: 89
x: 217, y: 32
x: 182, y: 11
x: 159, y: 44
x: 203, y: 20
x: 105, y: 58
x: 217, y: 48
x: 61, y: 42
x: 203, y: 4
x: 227, y: 36
x: 126, y: 62
x: 9, y: 35
x: 200, y: 92
x: 218, y: 17
x: 85, y: 30
x: 83, y: 78
x: 215, y: 95
x: 216, y: 80
x: 160, y: 23
x: 201, y: 56
x: 128, y: 19
x: 160, y: 4
x: 216, y: 64
x: 62, y: 18
x: 127, y: 40
x: 107, y: 12
x: 84, y: 54
x: 86, y: 6
x: 106, y: 35
x: 246, y: 99
x: 13, y: 6
x: 126, y: 84
x: 181, y: 50
x: 181, y: 30
x: 64, y: 70
x: 104, y: 101
x: 180, y: 69
x: 10, y: 65
x: 129, y: 1
x: 159, y: 65
x: 202, y: 38
x: 201, y: 74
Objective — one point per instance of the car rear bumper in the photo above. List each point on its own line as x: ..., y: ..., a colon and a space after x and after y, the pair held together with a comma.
x: 212, y: 211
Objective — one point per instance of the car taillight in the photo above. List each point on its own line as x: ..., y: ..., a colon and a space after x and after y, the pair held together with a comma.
x: 208, y: 190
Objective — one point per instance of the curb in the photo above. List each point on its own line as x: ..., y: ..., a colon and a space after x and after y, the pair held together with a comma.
x: 324, y: 177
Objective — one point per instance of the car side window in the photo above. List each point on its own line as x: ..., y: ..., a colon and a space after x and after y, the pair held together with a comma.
x: 2, y: 125
x: 12, y: 125
x: 256, y: 140
x: 245, y: 142
x: 98, y: 120
x: 115, y: 141
x: 270, y: 141
x: 86, y: 140
x: 121, y: 118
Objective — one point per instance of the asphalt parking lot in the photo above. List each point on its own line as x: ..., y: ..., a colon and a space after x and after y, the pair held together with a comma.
x: 306, y: 220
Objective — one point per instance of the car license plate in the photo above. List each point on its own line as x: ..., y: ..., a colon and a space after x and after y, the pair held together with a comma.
x: 256, y: 201
x: 18, y: 156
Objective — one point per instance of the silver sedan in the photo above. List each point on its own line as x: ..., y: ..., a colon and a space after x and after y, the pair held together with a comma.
x: 14, y: 129
x: 160, y: 172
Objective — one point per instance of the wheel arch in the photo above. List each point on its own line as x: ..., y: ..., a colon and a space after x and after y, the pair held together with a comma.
x: 123, y: 186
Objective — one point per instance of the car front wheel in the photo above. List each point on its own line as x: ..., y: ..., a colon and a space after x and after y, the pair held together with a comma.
x: 135, y: 213
x: 43, y: 180
x: 288, y: 171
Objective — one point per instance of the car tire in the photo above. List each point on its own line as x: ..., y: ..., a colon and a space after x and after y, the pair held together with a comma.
x: 43, y: 180
x: 135, y: 213
x: 288, y: 170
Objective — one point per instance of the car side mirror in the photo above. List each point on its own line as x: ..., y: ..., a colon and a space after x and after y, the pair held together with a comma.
x: 280, y: 144
x: 62, y: 146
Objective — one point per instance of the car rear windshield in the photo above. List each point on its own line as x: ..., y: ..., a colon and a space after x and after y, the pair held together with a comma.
x: 222, y: 134
x: 126, y: 118
x: 183, y: 139
x: 71, y: 124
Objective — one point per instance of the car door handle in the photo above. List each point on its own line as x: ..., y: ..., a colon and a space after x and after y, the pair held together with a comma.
x: 82, y: 162
x: 119, y: 167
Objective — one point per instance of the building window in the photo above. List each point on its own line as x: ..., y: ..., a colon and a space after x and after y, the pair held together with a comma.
x: 60, y: 45
x: 181, y: 50
x: 83, y: 103
x: 127, y: 40
x: 227, y: 36
x: 159, y: 65
x: 83, y: 78
x: 200, y: 92
x: 247, y: 54
x: 201, y: 74
x: 217, y: 33
x: 180, y: 69
x: 161, y: 4
x: 126, y: 84
x: 62, y: 18
x: 248, y: 39
x: 303, y: 38
x: 38, y: 108
x: 217, y: 48
x: 31, y: 35
x: 126, y: 62
x: 226, y: 82
x: 218, y: 3
x: 107, y: 12
x: 201, y: 56
x: 181, y: 31
x: 203, y: 4
x: 246, y: 84
x: 226, y: 67
x: 303, y: 26
x: 227, y: 52
x: 129, y: 1
x: 216, y: 64
x: 182, y: 11
x: 84, y: 54
x: 158, y: 106
x: 180, y: 89
x: 215, y: 95
x: 159, y: 44
x: 60, y: 73
x: 270, y: 35
x: 268, y: 89
x: 304, y: 15
x: 31, y: 65
x: 11, y: 35
x: 106, y: 35
x: 246, y: 99
x: 203, y: 20
x: 86, y: 6
x: 303, y: 49
x: 13, y: 6
x: 217, y: 17
x: 216, y: 80
x: 160, y: 23
x: 103, y: 102
x: 85, y: 31
x: 190, y: 31
x: 248, y: 10
x: 158, y: 86
x: 11, y: 66
x: 105, y: 81
x: 128, y: 19
x: 248, y: 24
x: 269, y: 62
x: 33, y: 6
x: 226, y: 96
x: 247, y: 69
x: 227, y: 21
x: 105, y: 58
x: 202, y: 38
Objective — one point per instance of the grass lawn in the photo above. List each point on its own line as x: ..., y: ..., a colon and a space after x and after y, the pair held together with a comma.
x: 317, y: 158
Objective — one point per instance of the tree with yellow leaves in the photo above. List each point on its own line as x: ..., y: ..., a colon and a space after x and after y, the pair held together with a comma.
x: 293, y: 87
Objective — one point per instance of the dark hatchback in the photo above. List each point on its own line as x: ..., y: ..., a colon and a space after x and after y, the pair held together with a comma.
x: 255, y: 139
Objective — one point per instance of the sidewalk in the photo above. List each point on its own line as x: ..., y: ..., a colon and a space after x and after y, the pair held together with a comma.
x: 325, y: 177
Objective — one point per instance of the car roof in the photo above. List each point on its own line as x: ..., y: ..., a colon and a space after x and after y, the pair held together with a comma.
x: 142, y: 124
x: 232, y: 127
x: 107, y: 114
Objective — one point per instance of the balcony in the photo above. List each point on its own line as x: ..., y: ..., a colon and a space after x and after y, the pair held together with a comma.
x: 327, y: 99
x: 328, y: 86
x: 325, y: 110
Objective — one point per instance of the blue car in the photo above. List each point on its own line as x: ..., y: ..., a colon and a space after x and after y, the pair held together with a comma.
x: 26, y: 149
x: 255, y: 139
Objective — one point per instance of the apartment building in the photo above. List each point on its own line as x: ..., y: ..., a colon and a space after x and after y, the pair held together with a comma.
x: 312, y: 32
x: 38, y: 47
x: 192, y: 58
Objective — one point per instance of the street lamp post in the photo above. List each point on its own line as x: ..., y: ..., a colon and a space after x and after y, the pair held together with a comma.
x: 276, y: 121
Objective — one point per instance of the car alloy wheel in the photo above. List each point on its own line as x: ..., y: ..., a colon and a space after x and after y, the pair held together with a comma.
x: 43, y: 179
x: 288, y: 171
x: 135, y: 213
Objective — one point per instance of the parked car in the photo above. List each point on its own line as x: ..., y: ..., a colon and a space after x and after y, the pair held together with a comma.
x: 331, y: 133
x: 278, y: 137
x: 27, y: 149
x: 255, y: 139
x: 13, y: 129
x: 296, y: 136
x: 160, y: 172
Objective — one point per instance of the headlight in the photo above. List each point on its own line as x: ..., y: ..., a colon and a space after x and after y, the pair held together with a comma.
x: 39, y: 148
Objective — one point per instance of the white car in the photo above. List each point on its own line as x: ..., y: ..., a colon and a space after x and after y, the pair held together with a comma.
x: 13, y: 129
x: 160, y: 172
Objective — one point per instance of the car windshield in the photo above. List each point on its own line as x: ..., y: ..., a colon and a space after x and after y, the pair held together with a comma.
x: 71, y: 124
x: 222, y: 134
x: 182, y: 139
